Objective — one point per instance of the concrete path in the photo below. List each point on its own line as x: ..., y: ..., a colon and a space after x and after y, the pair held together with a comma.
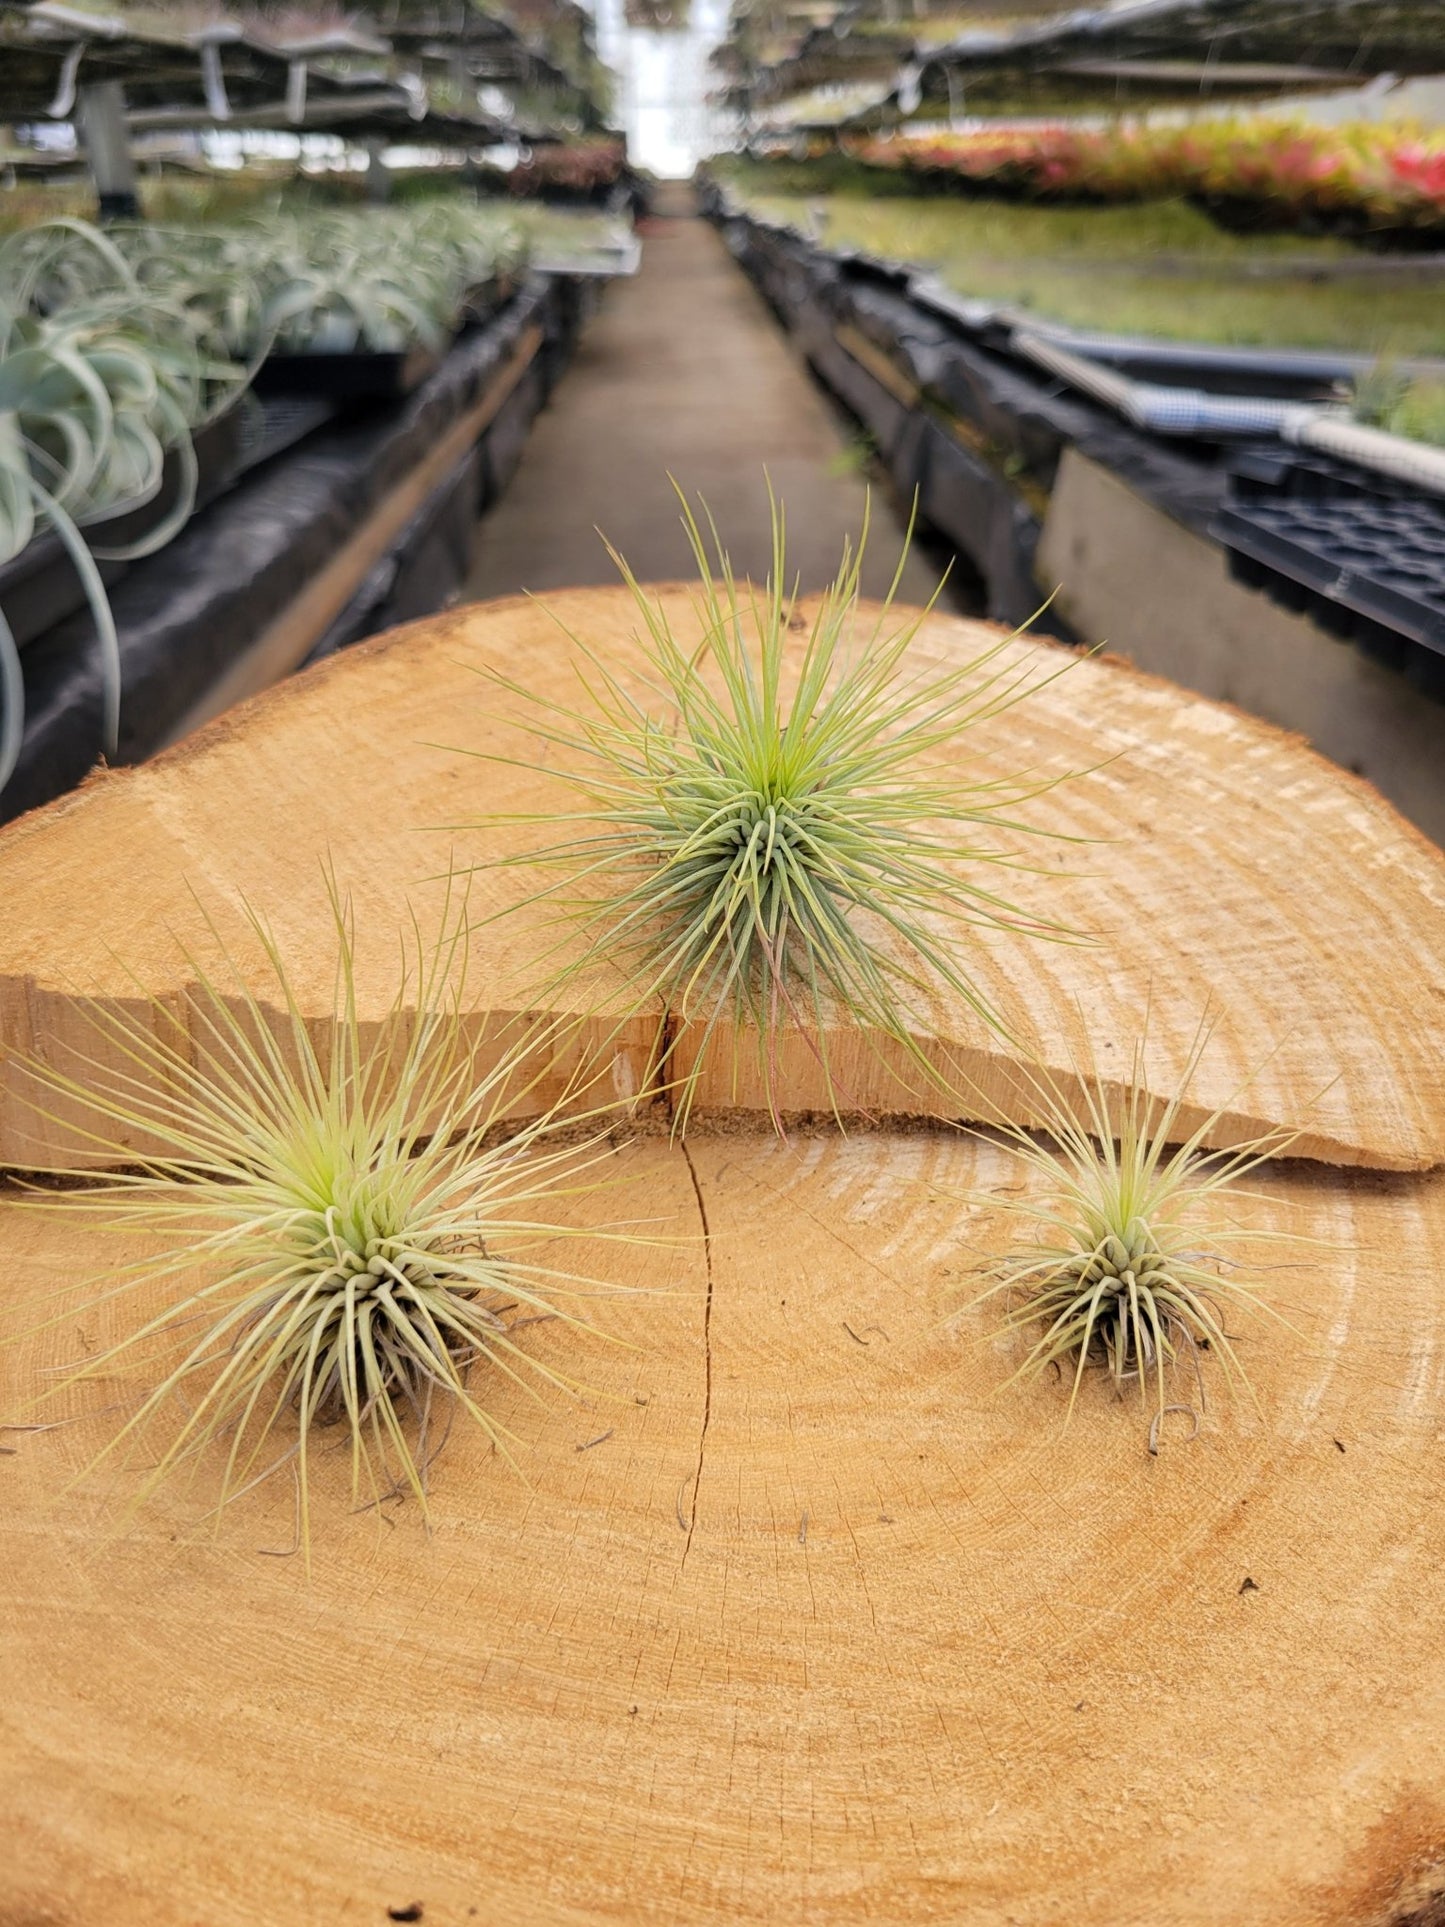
x: 684, y: 371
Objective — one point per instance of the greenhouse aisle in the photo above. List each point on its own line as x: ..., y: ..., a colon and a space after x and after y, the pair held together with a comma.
x: 683, y: 371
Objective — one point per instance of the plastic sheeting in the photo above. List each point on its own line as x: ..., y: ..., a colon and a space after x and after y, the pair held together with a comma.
x: 433, y: 554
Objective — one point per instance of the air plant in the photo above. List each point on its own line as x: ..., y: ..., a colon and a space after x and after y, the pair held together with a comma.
x: 57, y: 434
x: 140, y: 285
x: 92, y: 397
x: 1131, y: 1264
x: 354, y: 300
x: 79, y: 403
x: 383, y: 281
x: 213, y: 277
x: 116, y: 346
x: 339, y: 1236
x: 17, y: 522
x: 50, y: 266
x: 205, y: 278
x: 782, y: 830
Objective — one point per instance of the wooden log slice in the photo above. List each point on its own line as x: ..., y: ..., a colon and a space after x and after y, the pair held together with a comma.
x: 799, y: 1614
x: 1226, y: 868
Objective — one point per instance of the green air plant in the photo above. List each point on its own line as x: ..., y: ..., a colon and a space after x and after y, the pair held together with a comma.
x: 92, y: 397
x: 115, y: 347
x: 349, y: 303
x: 1130, y: 1264
x: 213, y: 275
x: 56, y: 426
x: 336, y: 1233
x: 784, y: 828
x: 56, y: 264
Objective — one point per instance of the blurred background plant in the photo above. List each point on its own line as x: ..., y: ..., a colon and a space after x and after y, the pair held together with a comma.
x: 1401, y: 404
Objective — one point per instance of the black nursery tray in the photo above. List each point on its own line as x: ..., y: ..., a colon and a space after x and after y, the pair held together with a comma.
x: 40, y: 586
x: 1271, y: 471
x: 350, y: 377
x: 278, y: 423
x: 1369, y: 567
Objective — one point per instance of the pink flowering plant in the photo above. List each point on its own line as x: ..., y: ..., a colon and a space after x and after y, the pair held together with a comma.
x: 1286, y: 172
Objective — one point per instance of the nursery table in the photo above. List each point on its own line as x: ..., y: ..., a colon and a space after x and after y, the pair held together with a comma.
x: 799, y: 1610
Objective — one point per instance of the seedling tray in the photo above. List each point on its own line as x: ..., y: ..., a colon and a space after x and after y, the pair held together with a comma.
x: 1358, y: 565
x: 1272, y: 472
x: 606, y: 263
x: 351, y: 377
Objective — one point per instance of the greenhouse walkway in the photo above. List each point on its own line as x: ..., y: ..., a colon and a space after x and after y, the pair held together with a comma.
x: 684, y: 372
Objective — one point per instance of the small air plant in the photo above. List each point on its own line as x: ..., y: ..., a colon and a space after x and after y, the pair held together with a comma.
x: 339, y: 1234
x: 1131, y: 1267
x: 782, y: 828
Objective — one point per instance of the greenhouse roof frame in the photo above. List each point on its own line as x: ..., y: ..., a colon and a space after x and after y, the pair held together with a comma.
x: 1134, y: 52
x: 1354, y: 40
x: 224, y: 71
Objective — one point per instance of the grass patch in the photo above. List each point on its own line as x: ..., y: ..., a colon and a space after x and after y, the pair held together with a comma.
x: 1386, y: 399
x: 1160, y: 268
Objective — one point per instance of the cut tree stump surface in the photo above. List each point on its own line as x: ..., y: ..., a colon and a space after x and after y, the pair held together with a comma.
x: 1227, y: 868
x: 799, y: 1614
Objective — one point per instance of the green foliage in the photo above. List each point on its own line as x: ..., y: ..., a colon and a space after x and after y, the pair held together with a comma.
x: 115, y: 346
x: 338, y: 1232
x: 784, y: 830
x: 1364, y: 175
x: 307, y: 280
x: 323, y: 281
x: 1157, y: 268
x: 856, y: 457
x: 97, y: 383
x: 383, y: 279
x: 1386, y: 398
x: 832, y: 172
x: 172, y: 198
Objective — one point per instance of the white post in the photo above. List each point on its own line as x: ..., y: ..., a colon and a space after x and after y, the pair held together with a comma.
x: 107, y: 147
x: 378, y: 180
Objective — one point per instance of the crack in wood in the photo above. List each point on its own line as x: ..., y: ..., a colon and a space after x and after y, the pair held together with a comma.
x: 706, y: 1352
x: 659, y: 1073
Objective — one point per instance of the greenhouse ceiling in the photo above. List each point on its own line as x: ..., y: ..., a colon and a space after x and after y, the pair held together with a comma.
x: 1354, y: 38
x: 187, y: 65
x: 1141, y: 53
